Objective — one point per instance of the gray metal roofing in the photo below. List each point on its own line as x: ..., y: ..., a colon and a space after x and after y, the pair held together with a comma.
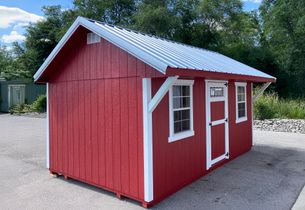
x: 159, y: 53
x: 179, y: 55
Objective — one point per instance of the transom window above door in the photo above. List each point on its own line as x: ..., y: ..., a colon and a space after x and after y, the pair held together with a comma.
x: 216, y: 92
x: 241, y: 102
x: 181, y: 110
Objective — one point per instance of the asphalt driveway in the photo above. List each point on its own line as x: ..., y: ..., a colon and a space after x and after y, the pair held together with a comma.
x: 270, y: 176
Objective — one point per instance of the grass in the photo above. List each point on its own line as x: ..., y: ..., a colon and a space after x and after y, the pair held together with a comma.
x: 270, y: 106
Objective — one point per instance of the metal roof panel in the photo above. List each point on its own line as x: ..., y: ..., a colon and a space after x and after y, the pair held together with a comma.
x: 158, y: 52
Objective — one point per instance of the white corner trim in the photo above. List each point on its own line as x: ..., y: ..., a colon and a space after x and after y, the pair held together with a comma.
x: 252, y: 113
x: 245, y: 118
x: 148, y: 146
x: 161, y: 93
x: 47, y: 129
x: 179, y: 136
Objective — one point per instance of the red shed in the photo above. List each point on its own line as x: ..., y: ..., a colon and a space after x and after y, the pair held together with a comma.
x: 140, y: 115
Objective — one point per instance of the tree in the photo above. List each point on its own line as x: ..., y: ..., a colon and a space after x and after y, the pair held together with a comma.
x: 156, y: 18
x: 283, y: 24
x: 117, y: 12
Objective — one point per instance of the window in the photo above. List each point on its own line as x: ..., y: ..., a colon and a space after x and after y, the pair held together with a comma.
x: 181, y: 110
x: 93, y: 38
x: 216, y: 92
x: 241, y: 102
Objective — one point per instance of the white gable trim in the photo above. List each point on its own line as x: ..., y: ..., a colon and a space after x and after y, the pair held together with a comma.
x: 115, y: 39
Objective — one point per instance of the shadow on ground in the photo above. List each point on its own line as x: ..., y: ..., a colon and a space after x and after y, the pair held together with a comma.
x: 264, y: 178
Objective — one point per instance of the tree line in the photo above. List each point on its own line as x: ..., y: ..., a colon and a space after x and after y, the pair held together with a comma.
x: 271, y: 39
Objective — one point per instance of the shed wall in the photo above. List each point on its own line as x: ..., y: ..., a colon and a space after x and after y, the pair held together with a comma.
x: 96, y: 125
x: 182, y: 162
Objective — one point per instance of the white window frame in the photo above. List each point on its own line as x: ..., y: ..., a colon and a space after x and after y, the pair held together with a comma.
x: 184, y: 134
x: 245, y: 118
x: 93, y: 38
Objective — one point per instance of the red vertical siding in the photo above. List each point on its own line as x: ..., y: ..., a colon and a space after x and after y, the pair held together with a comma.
x: 96, y: 122
x: 179, y: 163
x: 96, y: 129
x: 240, y: 133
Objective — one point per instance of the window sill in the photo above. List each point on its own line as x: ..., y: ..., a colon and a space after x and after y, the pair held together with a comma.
x: 243, y: 119
x: 181, y: 136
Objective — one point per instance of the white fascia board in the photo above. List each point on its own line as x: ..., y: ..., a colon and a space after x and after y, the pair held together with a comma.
x: 106, y: 34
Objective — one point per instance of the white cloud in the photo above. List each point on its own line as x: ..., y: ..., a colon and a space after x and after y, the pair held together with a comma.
x: 14, y: 36
x: 13, y: 16
x: 254, y: 1
x: 20, y: 25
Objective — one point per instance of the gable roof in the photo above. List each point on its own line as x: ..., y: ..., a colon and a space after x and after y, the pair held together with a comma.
x: 157, y: 52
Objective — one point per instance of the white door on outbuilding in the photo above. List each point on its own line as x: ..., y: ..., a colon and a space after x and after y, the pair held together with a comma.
x: 16, y: 95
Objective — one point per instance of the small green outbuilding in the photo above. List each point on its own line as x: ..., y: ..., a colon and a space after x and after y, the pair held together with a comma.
x: 16, y: 92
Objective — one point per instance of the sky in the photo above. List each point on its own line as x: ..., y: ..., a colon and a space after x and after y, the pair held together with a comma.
x: 16, y: 14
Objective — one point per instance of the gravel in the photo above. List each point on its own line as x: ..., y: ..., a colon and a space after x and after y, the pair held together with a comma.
x: 280, y: 125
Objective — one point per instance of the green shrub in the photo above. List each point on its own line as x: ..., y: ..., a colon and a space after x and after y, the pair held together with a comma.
x: 270, y: 106
x: 20, y: 109
x: 40, y: 104
x: 265, y: 106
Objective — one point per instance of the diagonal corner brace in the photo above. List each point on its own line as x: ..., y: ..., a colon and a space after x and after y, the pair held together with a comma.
x: 261, y: 91
x: 161, y: 93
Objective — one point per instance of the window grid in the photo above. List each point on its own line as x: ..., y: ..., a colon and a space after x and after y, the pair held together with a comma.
x: 181, y: 125
x: 181, y: 92
x: 241, y: 103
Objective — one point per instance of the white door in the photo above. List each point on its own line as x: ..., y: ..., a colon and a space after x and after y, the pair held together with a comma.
x: 217, y: 122
x: 16, y: 95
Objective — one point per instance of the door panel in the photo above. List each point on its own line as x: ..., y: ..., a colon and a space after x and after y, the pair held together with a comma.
x: 218, y: 140
x: 217, y: 110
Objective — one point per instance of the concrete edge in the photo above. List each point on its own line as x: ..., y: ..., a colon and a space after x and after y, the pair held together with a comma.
x: 299, y: 204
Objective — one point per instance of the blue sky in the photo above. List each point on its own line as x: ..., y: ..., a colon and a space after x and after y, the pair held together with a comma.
x: 15, y: 14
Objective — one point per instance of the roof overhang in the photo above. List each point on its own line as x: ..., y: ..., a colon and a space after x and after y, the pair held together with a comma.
x: 153, y: 59
x: 216, y: 75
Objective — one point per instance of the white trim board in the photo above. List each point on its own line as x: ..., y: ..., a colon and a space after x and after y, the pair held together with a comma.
x: 147, y: 141
x: 48, y: 129
x: 208, y: 84
x: 161, y: 93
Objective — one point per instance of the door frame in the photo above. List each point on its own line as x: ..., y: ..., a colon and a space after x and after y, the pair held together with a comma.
x: 10, y: 92
x: 209, y: 161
